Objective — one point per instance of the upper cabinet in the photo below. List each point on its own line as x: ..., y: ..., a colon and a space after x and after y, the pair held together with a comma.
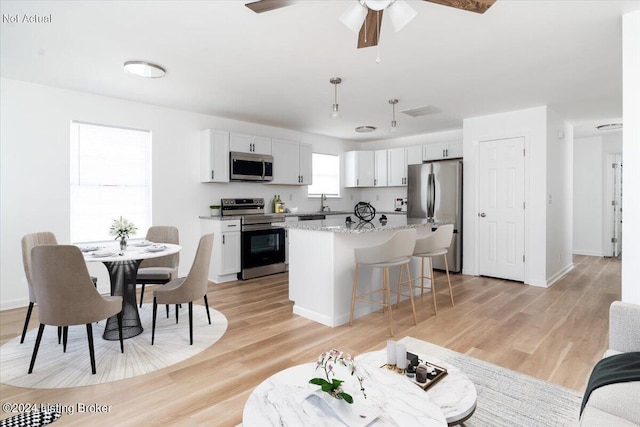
x: 359, y: 168
x: 291, y: 162
x: 214, y: 156
x: 306, y: 169
x: 249, y: 143
x: 447, y: 150
x: 397, y: 167
x: 380, y: 168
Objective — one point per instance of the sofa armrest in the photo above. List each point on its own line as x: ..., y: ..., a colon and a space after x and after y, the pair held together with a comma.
x: 624, y: 326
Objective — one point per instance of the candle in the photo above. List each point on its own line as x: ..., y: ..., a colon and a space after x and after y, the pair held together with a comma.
x: 391, y: 352
x: 401, y: 356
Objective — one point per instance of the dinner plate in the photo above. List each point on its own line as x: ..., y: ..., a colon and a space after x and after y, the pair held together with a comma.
x: 89, y: 248
x: 142, y: 244
x: 103, y: 254
x: 156, y: 248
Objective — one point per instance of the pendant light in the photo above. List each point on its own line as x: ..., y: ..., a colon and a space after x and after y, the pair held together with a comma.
x: 335, y: 112
x: 394, y: 124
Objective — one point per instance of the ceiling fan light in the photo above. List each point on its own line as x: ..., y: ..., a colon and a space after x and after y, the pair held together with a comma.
x: 354, y: 16
x: 377, y: 4
x: 400, y: 14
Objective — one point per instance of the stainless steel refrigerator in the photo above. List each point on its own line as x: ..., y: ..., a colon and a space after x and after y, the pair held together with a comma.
x: 434, y: 192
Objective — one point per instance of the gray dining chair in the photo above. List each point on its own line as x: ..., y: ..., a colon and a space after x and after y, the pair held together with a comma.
x: 30, y: 241
x: 187, y: 289
x: 66, y: 295
x: 162, y: 270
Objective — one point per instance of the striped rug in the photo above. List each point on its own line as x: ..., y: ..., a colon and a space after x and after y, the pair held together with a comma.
x: 507, y: 398
x: 55, y: 369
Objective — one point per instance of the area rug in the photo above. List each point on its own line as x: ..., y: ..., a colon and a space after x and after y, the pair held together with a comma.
x: 55, y: 369
x: 505, y: 397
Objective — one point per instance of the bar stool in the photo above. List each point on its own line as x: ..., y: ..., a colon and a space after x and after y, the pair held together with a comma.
x: 429, y: 246
x: 397, y: 251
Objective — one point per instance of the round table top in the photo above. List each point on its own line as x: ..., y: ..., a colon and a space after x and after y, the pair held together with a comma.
x: 286, y: 398
x: 112, y: 253
x: 455, y: 393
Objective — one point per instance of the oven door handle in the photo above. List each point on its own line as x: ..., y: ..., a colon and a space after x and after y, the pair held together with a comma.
x: 264, y: 169
x: 257, y: 227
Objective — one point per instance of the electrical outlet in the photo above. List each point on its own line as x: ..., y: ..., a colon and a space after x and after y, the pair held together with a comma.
x: 377, y: 197
x: 290, y: 196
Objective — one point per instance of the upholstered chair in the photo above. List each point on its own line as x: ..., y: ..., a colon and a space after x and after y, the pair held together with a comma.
x: 162, y: 270
x: 29, y: 242
x: 187, y: 289
x: 66, y: 295
x: 429, y: 246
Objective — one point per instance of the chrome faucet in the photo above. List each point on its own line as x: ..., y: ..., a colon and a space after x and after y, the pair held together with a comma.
x: 323, y: 207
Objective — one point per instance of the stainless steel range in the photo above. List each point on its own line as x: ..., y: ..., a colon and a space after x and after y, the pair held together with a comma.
x: 262, y: 243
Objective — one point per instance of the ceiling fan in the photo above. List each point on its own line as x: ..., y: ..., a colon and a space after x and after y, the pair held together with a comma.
x: 365, y: 16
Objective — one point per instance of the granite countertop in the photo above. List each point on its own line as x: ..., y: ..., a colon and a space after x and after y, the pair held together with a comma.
x: 337, y: 225
x: 328, y: 213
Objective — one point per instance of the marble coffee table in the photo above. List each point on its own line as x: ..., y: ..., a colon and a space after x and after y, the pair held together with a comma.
x: 454, y: 394
x: 287, y: 399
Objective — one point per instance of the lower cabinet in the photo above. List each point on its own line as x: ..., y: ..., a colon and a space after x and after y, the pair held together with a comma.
x: 225, y: 257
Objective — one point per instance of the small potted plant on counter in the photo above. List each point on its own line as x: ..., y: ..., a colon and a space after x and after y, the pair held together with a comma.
x: 215, y: 210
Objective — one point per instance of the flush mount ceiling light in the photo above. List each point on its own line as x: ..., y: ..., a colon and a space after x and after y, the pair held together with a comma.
x: 610, y: 126
x: 394, y: 124
x: 144, y: 69
x: 335, y: 112
x: 365, y: 129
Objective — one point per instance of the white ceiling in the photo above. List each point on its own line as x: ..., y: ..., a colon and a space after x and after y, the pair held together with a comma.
x: 273, y: 68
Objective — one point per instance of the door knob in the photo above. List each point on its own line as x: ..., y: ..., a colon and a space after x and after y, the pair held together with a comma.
x: 482, y: 215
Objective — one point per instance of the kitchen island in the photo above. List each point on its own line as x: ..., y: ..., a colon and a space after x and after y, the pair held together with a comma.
x: 321, y: 265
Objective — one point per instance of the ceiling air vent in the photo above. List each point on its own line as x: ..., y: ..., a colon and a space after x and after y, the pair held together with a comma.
x: 422, y: 111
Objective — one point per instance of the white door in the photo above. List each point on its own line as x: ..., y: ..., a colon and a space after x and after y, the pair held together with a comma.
x: 501, y: 208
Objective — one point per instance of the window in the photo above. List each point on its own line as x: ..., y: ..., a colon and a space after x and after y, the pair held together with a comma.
x: 110, y: 177
x: 326, y: 175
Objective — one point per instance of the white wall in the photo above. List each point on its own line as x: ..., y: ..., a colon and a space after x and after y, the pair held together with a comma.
x: 530, y: 124
x: 588, y: 202
x: 559, y: 197
x: 631, y: 153
x: 34, y: 149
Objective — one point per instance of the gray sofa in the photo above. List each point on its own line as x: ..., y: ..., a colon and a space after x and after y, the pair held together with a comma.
x: 617, y: 404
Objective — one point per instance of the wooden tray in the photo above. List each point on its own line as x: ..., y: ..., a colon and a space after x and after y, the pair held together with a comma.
x: 432, y: 378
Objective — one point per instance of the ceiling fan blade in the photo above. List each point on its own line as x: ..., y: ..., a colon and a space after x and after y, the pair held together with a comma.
x: 477, y: 6
x: 370, y: 30
x: 267, y: 5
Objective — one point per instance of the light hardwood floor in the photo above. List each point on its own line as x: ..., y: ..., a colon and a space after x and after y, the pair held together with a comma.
x: 555, y: 334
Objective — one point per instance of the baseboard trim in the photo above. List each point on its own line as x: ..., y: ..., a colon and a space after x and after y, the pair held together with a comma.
x: 559, y: 275
x: 588, y: 253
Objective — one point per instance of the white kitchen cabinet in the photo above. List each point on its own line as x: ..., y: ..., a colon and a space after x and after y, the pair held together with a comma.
x: 446, y: 150
x: 249, y: 143
x: 359, y: 168
x: 380, y: 168
x: 399, y: 158
x: 397, y: 167
x: 414, y: 155
x: 225, y: 256
x: 291, y: 162
x: 306, y: 164
x: 214, y: 156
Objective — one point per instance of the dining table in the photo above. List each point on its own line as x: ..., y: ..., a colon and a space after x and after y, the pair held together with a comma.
x: 122, y: 266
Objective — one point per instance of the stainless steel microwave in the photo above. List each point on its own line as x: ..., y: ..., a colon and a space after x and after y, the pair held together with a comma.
x: 250, y: 167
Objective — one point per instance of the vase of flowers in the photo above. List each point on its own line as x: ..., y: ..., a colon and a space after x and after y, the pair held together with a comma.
x: 328, y: 362
x: 122, y: 228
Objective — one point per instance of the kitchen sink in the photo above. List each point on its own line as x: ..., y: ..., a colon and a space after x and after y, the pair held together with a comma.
x: 311, y: 217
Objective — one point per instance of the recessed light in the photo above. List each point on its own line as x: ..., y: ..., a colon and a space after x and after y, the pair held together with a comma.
x: 144, y: 69
x: 610, y: 126
x: 365, y: 129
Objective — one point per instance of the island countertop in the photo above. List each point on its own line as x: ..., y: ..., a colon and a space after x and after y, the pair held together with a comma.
x: 338, y: 225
